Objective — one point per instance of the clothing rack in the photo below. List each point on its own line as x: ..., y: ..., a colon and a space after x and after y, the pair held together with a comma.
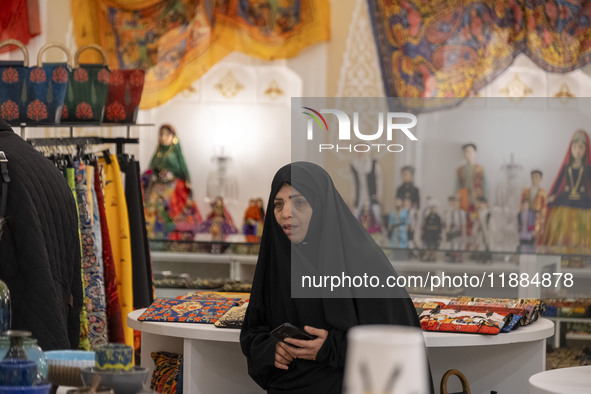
x: 83, y: 141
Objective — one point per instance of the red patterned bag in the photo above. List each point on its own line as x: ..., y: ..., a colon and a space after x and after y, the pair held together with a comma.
x: 124, y: 95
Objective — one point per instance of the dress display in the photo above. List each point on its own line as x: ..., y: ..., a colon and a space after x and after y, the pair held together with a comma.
x: 171, y: 212
x: 568, y: 227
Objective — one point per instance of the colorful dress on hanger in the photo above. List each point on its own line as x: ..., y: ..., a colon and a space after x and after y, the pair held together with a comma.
x: 171, y: 212
x: 568, y: 224
x: 92, y: 264
x: 84, y: 343
x: 118, y: 222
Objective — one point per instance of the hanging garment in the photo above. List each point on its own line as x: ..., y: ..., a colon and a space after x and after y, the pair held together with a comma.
x: 118, y: 222
x: 92, y: 266
x: 40, y: 247
x: 84, y: 343
x: 115, y: 325
x: 141, y: 263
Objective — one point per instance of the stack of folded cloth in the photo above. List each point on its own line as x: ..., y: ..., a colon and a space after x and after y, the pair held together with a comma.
x: 476, y: 315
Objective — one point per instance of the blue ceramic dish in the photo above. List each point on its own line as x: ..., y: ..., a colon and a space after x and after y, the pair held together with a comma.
x: 41, y: 389
x: 114, y: 357
x: 17, y: 372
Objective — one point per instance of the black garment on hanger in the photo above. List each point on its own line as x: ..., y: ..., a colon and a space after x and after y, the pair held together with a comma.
x: 334, y: 236
x: 40, y: 251
x: 143, y: 294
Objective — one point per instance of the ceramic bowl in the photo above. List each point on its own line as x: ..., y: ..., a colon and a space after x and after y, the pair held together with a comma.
x: 40, y: 389
x: 65, y: 366
x: 122, y: 382
x: 114, y: 356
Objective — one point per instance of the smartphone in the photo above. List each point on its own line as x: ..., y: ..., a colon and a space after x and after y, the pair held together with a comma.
x: 288, y: 330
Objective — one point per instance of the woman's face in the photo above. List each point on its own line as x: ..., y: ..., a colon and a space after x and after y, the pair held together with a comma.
x: 166, y: 136
x: 577, y: 150
x: 293, y: 213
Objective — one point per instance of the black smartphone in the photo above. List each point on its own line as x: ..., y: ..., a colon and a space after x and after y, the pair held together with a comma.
x: 288, y: 330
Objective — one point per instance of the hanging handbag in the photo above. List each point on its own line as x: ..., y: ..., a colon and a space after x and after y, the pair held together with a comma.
x: 13, y: 85
x: 87, y: 90
x: 124, y: 95
x: 463, y: 380
x: 47, y: 88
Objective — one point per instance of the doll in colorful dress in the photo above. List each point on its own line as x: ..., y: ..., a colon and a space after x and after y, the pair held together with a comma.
x: 568, y: 224
x: 219, y: 223
x: 253, y: 222
x: 171, y: 212
x: 538, y: 202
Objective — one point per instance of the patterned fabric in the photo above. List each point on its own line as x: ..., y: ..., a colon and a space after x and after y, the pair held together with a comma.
x: 233, y: 318
x: 94, y: 288
x: 115, y: 325
x: 83, y: 344
x: 187, y: 309
x: 457, y: 320
x: 167, y: 376
x: 14, y: 79
x: 47, y: 91
x: 179, y: 40
x: 86, y: 94
x: 118, y: 222
x: 427, y: 50
x: 19, y: 20
x: 124, y: 95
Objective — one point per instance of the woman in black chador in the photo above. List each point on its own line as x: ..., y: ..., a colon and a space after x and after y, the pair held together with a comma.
x: 309, y: 226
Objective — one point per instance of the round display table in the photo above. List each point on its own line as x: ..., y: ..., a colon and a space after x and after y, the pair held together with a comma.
x: 214, y: 363
x: 573, y: 380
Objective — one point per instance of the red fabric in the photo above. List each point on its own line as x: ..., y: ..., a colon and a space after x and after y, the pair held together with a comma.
x: 114, y: 322
x: 16, y: 20
x: 567, y: 159
x: 178, y: 199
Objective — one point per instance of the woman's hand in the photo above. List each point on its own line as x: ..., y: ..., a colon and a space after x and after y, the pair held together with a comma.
x: 283, y: 356
x: 307, y: 349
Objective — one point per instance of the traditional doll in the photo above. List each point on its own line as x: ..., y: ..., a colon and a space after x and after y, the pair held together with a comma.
x: 568, y: 224
x: 171, y: 212
x: 538, y: 201
x: 455, y: 229
x: 432, y: 232
x: 253, y: 222
x: 526, y: 226
x: 471, y: 182
x: 397, y: 225
x: 218, y: 223
x: 408, y: 189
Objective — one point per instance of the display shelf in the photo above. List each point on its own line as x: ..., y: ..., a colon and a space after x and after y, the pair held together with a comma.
x: 559, y: 320
x: 511, y: 358
x: 578, y: 337
x: 237, y: 264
